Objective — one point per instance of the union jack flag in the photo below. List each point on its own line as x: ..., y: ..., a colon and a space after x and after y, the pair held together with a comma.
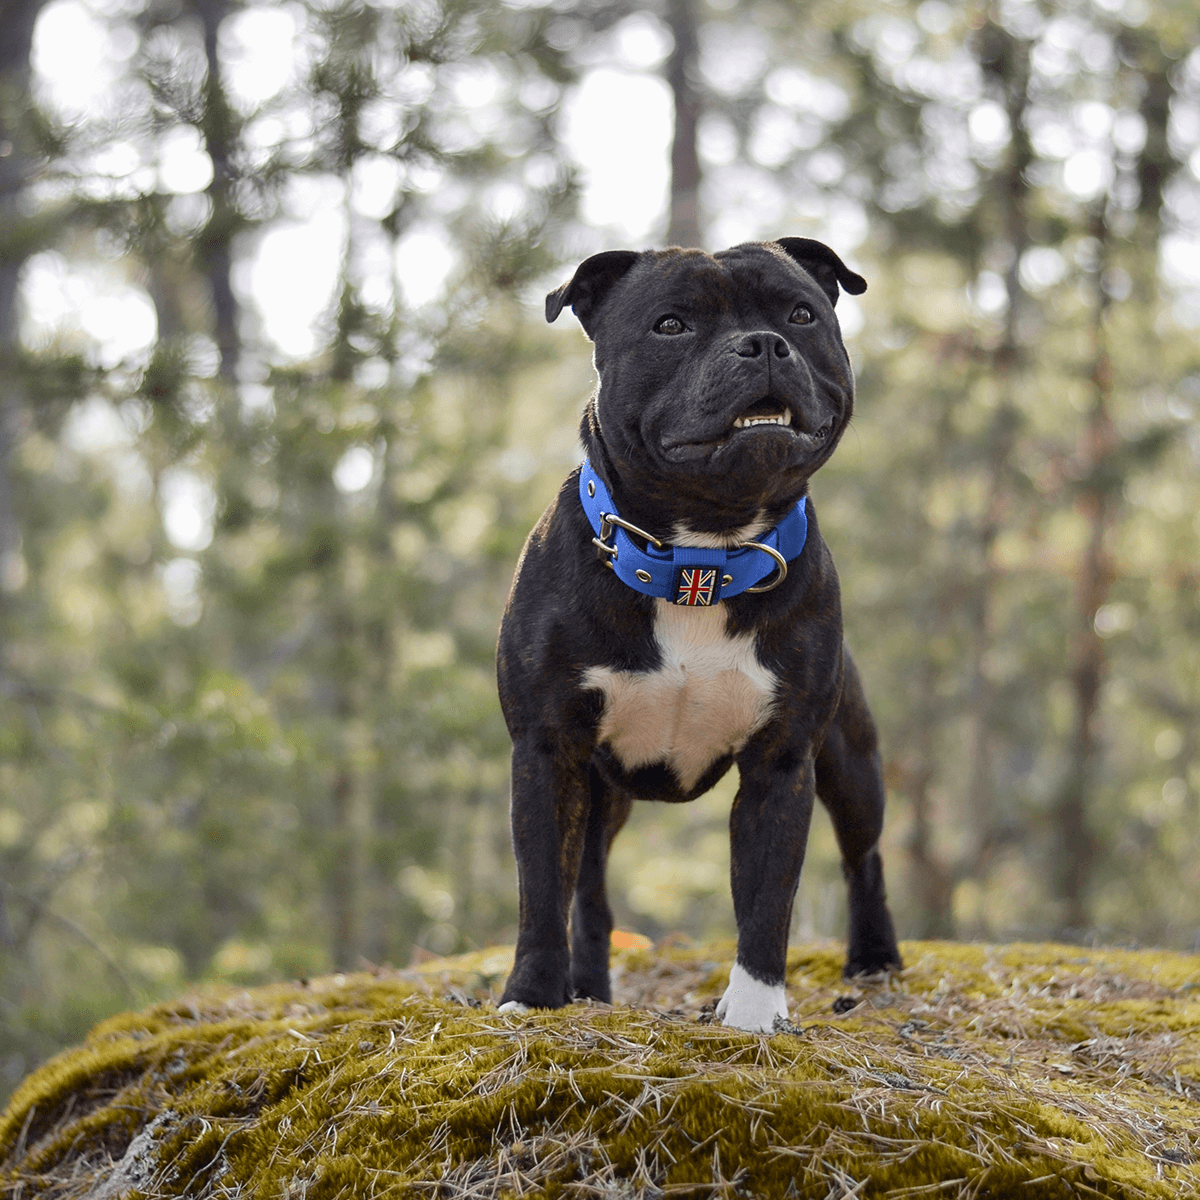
x: 696, y: 585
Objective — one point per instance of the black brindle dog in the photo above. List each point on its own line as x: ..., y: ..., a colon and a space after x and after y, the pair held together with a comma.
x: 676, y: 611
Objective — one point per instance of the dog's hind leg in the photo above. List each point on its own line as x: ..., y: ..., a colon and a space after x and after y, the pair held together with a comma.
x: 591, y: 918
x: 850, y: 785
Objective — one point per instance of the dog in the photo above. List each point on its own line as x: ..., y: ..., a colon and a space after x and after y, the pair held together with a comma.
x: 676, y: 610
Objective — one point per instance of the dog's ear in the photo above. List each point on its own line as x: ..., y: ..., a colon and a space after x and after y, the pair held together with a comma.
x: 589, y: 285
x: 824, y: 266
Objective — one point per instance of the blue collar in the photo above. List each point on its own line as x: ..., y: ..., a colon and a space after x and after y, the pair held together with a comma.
x: 688, y: 575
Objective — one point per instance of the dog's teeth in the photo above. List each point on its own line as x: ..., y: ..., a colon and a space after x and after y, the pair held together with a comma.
x: 746, y: 422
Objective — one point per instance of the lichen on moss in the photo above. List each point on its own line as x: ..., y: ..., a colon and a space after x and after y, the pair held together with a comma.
x: 978, y: 1071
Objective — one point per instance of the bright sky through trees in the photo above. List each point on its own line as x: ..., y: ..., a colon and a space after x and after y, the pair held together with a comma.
x: 617, y: 126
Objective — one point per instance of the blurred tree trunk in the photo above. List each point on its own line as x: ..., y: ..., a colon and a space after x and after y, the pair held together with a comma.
x: 1155, y: 162
x: 350, y: 806
x: 1075, y: 844
x: 1006, y: 59
x: 931, y: 884
x: 931, y: 877
x: 1102, y: 473
x: 684, y: 228
x: 347, y: 883
x: 17, y: 20
x: 215, y: 244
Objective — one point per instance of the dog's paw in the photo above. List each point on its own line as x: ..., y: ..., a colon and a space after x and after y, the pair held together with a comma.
x: 751, y: 1005
x: 874, y: 965
x: 596, y: 988
x: 513, y: 1006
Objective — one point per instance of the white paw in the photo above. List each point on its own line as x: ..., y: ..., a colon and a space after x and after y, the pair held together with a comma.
x: 749, y: 1004
x: 513, y: 1006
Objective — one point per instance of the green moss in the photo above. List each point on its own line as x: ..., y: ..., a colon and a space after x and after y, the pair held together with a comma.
x: 981, y: 1071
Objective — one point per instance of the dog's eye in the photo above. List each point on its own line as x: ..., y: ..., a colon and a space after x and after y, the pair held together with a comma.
x: 669, y: 325
x: 801, y: 315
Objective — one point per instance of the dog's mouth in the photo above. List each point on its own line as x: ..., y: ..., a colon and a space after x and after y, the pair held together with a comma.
x: 767, y: 411
x: 766, y: 416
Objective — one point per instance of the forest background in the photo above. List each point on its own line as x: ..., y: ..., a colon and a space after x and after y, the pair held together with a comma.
x: 277, y: 408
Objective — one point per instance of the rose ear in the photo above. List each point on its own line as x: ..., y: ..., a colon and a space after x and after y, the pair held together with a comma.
x: 824, y: 266
x: 589, y: 285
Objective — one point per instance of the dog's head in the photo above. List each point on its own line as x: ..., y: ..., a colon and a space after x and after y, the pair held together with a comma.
x: 718, y: 371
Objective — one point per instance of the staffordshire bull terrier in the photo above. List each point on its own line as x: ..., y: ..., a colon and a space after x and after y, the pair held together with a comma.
x: 676, y: 610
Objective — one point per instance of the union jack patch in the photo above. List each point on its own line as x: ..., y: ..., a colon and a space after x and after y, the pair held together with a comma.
x: 696, y: 585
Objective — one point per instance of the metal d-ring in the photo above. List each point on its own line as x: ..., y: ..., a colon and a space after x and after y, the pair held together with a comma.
x: 780, y: 561
x: 608, y: 520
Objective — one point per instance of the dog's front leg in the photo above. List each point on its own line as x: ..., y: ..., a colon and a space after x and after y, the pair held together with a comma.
x: 549, y: 810
x: 768, y: 832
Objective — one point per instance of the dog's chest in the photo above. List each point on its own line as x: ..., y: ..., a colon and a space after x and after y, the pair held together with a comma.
x: 707, y: 696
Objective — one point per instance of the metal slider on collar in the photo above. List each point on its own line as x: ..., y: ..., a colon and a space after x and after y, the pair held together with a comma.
x: 607, y: 521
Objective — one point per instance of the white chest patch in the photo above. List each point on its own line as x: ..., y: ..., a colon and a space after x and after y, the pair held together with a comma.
x: 709, y: 694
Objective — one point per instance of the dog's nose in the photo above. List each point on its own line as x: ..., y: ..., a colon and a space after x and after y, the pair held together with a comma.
x: 755, y: 345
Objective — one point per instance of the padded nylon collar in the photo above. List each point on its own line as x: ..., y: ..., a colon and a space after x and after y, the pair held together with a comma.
x: 689, y: 575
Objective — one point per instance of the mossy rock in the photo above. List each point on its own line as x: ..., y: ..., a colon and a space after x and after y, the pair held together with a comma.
x: 979, y: 1071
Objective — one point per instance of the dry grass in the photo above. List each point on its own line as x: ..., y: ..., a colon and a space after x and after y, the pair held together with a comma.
x: 977, y: 1072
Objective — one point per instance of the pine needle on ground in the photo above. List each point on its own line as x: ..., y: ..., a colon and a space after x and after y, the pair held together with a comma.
x: 979, y: 1071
